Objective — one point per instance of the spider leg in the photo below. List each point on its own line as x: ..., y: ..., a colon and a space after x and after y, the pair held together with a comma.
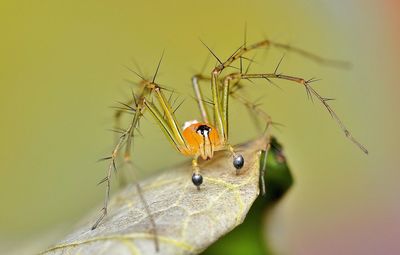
x: 199, y: 98
x: 169, y: 126
x: 252, y: 107
x: 263, y: 165
x: 167, y: 121
x: 227, y: 83
x: 123, y: 139
x: 129, y: 107
x: 218, y: 119
x: 129, y: 163
x: 311, y: 92
x: 269, y: 43
x: 140, y: 108
x: 172, y: 131
x: 126, y: 107
x: 197, y: 179
x: 170, y: 117
x: 233, y: 79
x: 218, y: 109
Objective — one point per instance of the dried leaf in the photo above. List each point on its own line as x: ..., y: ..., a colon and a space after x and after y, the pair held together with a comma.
x: 187, y: 220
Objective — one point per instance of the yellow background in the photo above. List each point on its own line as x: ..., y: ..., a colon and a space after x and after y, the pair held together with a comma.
x: 62, y: 66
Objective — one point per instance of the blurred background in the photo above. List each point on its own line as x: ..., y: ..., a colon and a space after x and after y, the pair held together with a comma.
x: 62, y: 66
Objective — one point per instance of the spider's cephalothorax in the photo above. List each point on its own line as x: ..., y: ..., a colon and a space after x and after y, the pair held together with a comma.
x: 201, y: 139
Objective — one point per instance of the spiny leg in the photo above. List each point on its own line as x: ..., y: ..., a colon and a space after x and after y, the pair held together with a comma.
x: 252, y: 107
x: 238, y: 54
x: 107, y: 179
x: 310, y: 92
x: 129, y: 163
x: 169, y: 126
x: 127, y: 107
x: 140, y: 108
x: 167, y: 120
x: 220, y: 111
x: 200, y: 98
x: 126, y: 138
x: 268, y: 43
x: 114, y: 155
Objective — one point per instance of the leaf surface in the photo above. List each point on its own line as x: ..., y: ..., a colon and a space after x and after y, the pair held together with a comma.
x: 252, y: 236
x: 188, y: 220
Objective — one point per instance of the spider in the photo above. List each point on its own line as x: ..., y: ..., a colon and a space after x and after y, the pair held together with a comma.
x: 201, y: 139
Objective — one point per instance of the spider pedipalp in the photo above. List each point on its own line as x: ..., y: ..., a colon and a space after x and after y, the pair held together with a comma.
x: 197, y: 180
x: 238, y: 161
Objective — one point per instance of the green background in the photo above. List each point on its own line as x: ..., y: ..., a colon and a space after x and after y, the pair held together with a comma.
x: 62, y: 66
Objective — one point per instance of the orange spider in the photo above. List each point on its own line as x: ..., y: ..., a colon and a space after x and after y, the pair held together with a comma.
x: 203, y: 138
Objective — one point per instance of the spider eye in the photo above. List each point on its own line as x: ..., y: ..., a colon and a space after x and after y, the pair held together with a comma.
x: 203, y: 130
x: 238, y: 161
x: 197, y: 179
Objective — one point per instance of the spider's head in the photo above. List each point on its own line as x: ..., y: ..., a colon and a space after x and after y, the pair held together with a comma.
x: 202, y: 138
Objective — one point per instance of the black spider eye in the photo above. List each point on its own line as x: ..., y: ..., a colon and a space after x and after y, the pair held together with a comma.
x: 238, y: 161
x: 202, y: 129
x: 197, y: 179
